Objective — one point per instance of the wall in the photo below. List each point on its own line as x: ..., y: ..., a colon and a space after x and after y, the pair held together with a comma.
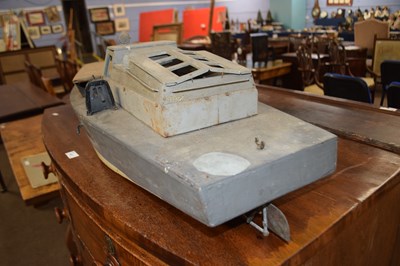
x: 30, y: 5
x: 290, y: 12
x: 237, y: 9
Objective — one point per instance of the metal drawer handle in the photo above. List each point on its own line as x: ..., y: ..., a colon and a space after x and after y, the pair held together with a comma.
x: 47, y: 169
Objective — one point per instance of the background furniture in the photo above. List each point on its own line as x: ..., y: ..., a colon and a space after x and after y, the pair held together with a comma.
x: 221, y: 44
x: 113, y: 220
x: 21, y: 100
x: 2, y: 184
x: 393, y: 95
x: 367, y: 30
x: 309, y: 66
x: 263, y: 74
x: 347, y: 87
x: 12, y: 64
x: 390, y: 72
x: 23, y: 138
x: 148, y: 19
x: 168, y: 32
x: 259, y: 49
x: 384, y: 49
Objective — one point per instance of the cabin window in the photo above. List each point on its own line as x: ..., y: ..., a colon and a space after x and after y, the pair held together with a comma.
x: 184, y: 70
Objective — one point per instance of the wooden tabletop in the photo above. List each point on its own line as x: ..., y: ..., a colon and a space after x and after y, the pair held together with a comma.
x: 349, y: 119
x: 24, y: 138
x: 265, y: 73
x: 348, y: 218
x: 22, y: 100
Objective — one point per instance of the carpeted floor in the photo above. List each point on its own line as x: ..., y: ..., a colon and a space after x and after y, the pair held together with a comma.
x: 28, y: 235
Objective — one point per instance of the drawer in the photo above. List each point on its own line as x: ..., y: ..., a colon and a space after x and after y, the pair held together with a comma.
x: 97, y: 244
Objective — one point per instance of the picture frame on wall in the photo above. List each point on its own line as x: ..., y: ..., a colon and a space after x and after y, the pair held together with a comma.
x: 119, y: 10
x: 44, y: 30
x: 35, y: 18
x: 34, y: 32
x: 52, y: 14
x: 339, y: 2
x: 57, y: 28
x: 99, y: 14
x: 105, y: 28
x: 122, y: 24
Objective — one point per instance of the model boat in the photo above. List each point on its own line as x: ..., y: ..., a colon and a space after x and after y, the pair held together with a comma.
x: 187, y: 127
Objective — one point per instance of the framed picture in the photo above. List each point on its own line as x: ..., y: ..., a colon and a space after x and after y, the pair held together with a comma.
x: 34, y: 32
x: 45, y: 30
x: 339, y: 2
x: 122, y: 24
x: 57, y: 28
x: 105, y: 28
x: 52, y: 14
x: 119, y: 10
x: 99, y: 14
x: 35, y: 18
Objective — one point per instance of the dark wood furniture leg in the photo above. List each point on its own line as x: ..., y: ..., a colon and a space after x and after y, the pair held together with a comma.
x: 2, y: 184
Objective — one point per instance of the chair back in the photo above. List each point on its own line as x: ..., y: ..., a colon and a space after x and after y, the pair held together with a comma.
x: 346, y: 87
x: 390, y: 71
x: 295, y: 40
x: 393, y: 95
x: 337, y: 59
x: 384, y: 49
x: 221, y: 44
x: 259, y: 48
x: 31, y: 74
x: 365, y: 31
x: 309, y: 71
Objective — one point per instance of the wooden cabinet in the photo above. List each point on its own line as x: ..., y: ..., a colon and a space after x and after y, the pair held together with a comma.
x: 351, y: 217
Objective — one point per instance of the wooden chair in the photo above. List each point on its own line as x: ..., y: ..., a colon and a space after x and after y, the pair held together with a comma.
x: 309, y: 71
x: 31, y: 73
x: 60, y: 64
x: 347, y: 87
x: 49, y: 84
x: 365, y: 31
x: 221, y: 44
x: 67, y: 70
x: 393, y: 95
x: 384, y: 49
x: 71, y: 68
x: 390, y: 72
x: 339, y: 64
x: 295, y: 40
x: 259, y: 48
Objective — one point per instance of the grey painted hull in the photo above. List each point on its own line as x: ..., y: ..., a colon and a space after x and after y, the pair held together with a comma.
x: 217, y: 173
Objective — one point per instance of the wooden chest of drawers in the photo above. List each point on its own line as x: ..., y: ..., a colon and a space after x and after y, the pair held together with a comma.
x: 351, y: 217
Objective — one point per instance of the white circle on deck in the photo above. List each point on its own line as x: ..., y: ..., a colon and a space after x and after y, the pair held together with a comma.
x: 222, y: 164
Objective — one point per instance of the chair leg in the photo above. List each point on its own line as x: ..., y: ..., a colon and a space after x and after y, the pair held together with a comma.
x: 2, y: 184
x: 383, y: 96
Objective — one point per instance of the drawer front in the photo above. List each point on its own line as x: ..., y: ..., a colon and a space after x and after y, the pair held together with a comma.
x: 96, y: 243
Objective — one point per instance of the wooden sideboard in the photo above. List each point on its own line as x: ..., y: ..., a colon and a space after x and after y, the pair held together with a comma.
x: 351, y: 217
